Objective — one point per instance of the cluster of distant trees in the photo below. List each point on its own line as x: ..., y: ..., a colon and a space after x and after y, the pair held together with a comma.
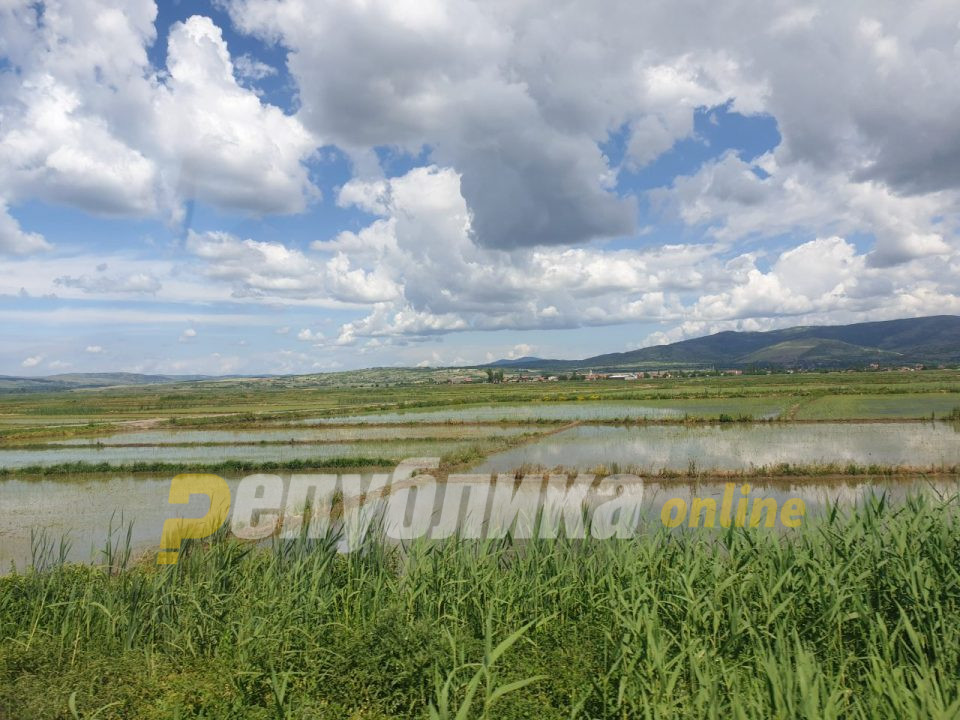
x: 494, y: 376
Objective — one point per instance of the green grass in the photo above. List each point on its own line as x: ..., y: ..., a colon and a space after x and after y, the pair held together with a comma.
x: 855, y: 617
x: 13, y: 435
x: 387, y: 441
x: 223, y: 466
x: 27, y: 418
x: 808, y: 471
x: 260, y: 400
x: 840, y: 407
x: 455, y: 456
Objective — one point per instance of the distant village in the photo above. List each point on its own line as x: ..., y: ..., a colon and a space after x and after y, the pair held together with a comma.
x: 498, y: 375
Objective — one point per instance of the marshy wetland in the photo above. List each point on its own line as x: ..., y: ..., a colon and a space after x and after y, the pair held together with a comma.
x: 814, y: 428
x: 875, y: 458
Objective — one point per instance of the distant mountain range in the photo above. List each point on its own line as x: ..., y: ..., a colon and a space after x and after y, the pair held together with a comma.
x: 928, y: 340
x: 74, y: 381
x: 913, y: 340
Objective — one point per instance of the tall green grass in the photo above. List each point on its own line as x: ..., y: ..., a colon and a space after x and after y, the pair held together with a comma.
x: 854, y: 616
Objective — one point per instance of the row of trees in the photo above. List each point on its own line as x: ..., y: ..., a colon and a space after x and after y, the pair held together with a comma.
x: 496, y: 376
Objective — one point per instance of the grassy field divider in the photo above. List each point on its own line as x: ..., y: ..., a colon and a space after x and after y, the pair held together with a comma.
x: 223, y: 466
x: 778, y: 471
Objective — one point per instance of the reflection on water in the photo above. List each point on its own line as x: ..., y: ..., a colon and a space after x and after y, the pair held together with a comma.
x: 83, y: 509
x: 476, y: 507
x: 161, y: 437
x: 760, y: 408
x: 735, y: 447
x: 209, y: 454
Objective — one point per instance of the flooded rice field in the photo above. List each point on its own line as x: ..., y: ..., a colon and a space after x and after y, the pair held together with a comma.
x: 759, y: 408
x: 121, y: 455
x: 83, y: 510
x: 298, y: 434
x: 736, y: 446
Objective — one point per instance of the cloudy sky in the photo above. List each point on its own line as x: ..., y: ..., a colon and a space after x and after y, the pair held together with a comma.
x: 246, y: 186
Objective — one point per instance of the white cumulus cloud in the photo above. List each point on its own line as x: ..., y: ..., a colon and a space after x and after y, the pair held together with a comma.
x: 89, y: 122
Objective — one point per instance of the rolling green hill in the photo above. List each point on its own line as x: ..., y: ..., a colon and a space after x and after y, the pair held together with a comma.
x: 72, y: 381
x: 817, y: 351
x: 912, y: 340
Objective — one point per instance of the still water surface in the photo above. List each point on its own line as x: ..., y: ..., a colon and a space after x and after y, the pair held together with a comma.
x: 219, y: 453
x: 83, y: 509
x: 172, y: 437
x: 760, y: 408
x: 736, y: 447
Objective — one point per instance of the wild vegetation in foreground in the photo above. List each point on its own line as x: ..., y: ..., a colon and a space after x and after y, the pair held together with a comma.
x: 857, y: 616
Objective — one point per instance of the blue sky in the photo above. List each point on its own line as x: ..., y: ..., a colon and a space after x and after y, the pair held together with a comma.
x: 295, y: 186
